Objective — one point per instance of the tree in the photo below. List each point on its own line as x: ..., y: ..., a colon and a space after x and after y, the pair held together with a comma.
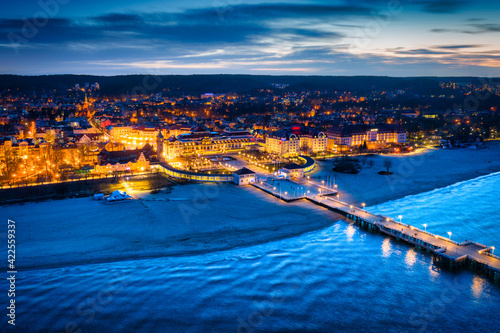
x: 49, y: 136
x: 305, y: 148
x: 387, y: 164
x: 364, y: 146
x: 371, y: 164
x: 11, y: 162
x: 83, y: 152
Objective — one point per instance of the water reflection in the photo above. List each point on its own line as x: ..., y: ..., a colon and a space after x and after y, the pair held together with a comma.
x: 386, y: 248
x: 411, y: 257
x: 350, y: 231
x: 477, y: 286
x: 433, y: 270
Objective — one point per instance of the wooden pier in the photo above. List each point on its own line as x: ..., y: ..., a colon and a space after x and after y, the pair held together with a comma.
x: 446, y: 252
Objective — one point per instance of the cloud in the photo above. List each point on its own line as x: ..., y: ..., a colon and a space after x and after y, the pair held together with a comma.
x: 465, y: 46
x: 239, y: 37
x: 261, y: 12
x: 119, y: 18
x: 441, y: 6
x: 473, y: 29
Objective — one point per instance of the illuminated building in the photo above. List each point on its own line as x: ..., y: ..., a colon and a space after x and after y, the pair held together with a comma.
x: 136, y: 160
x: 135, y: 137
x: 283, y: 143
x: 376, y: 136
x: 316, y: 143
x: 203, y: 142
x: 243, y: 176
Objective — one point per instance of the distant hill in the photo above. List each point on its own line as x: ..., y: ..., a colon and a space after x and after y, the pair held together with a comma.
x: 198, y: 84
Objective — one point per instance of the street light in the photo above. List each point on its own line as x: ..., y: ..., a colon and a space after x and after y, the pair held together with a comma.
x: 363, y: 204
x: 400, y: 217
x: 425, y: 226
x: 449, y: 234
x: 492, y: 249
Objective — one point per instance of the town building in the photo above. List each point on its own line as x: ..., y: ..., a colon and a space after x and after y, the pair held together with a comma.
x: 292, y: 171
x: 138, y: 136
x: 375, y: 136
x: 283, y: 143
x: 137, y: 160
x: 299, y: 140
x: 313, y: 142
x: 201, y: 141
x: 243, y: 176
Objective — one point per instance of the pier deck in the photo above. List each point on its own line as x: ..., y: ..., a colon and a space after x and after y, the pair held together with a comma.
x: 439, y: 245
x: 445, y: 250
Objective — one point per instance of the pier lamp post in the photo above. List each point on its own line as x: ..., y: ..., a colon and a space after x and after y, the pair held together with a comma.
x: 449, y: 234
x: 492, y: 249
x: 338, y: 197
x: 350, y: 207
x: 425, y: 227
x: 363, y: 204
x: 400, y: 217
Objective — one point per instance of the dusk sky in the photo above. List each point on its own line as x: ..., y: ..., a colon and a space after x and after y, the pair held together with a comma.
x: 407, y: 38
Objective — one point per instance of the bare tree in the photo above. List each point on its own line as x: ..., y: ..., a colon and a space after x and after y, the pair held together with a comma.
x: 83, y: 152
x: 50, y: 137
x: 387, y: 164
x: 10, y: 163
x: 371, y: 164
x: 305, y: 148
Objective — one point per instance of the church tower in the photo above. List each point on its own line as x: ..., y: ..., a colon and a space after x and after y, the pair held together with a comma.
x: 86, y: 106
x: 159, y: 146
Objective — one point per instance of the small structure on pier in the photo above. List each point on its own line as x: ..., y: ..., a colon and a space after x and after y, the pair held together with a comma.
x: 243, y: 176
x: 292, y: 171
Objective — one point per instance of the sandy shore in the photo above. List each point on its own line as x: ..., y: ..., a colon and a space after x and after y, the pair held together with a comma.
x: 201, y: 218
x: 197, y: 219
x: 425, y: 171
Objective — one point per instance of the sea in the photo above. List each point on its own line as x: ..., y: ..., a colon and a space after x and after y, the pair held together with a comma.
x: 339, y: 279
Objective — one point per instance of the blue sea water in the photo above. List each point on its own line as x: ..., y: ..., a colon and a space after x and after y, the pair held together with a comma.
x: 339, y: 279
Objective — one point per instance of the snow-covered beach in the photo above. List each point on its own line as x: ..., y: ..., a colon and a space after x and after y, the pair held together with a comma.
x: 205, y: 218
x: 208, y: 217
x: 413, y: 174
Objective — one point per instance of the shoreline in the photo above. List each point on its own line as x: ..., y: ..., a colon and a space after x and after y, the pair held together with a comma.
x: 413, y: 174
x: 214, y: 218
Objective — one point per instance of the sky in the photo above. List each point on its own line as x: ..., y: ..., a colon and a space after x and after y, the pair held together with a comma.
x: 337, y: 37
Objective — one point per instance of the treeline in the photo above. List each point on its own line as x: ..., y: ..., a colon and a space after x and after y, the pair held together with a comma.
x: 198, y: 84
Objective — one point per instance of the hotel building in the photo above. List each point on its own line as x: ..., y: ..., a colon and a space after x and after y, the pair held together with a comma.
x: 203, y: 142
x: 376, y: 136
x: 136, y: 137
x: 284, y: 143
